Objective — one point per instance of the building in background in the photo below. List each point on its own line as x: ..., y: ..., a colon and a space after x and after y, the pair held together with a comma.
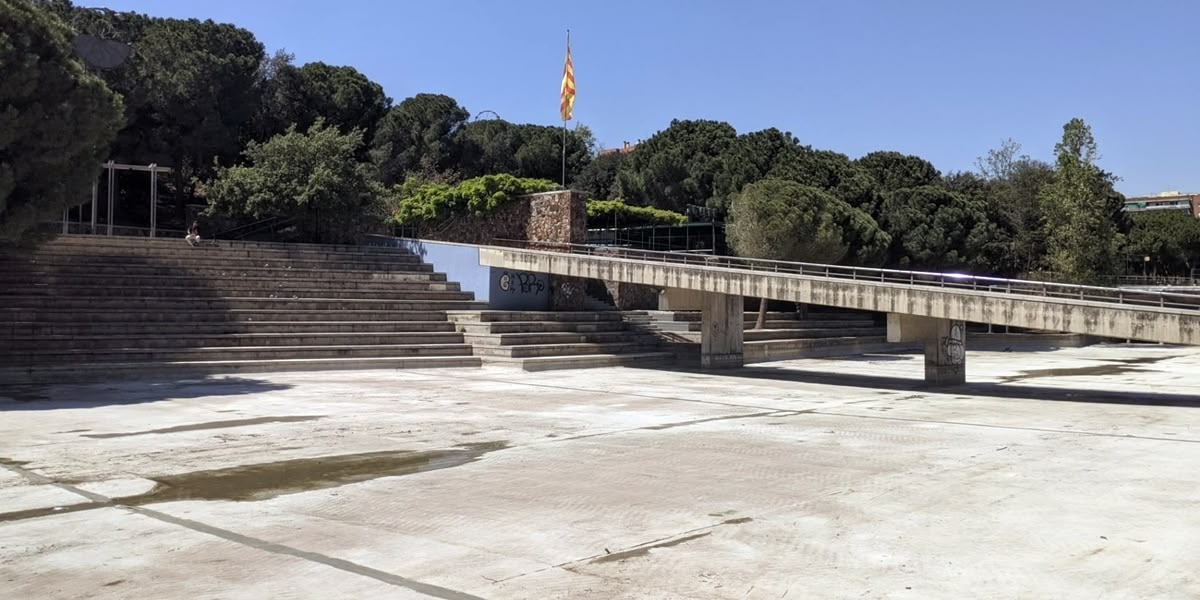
x: 1165, y: 201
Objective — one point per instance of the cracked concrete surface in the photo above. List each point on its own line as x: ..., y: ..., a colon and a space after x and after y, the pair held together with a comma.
x: 1064, y: 474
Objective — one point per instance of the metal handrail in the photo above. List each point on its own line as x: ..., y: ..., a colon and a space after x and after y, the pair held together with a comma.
x: 251, y: 228
x: 963, y: 281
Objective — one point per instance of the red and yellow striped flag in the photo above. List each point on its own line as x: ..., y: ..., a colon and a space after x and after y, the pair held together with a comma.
x: 566, y: 104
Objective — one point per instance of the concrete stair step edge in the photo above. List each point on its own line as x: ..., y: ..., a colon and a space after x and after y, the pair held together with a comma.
x: 479, y: 316
x: 101, y: 371
x: 24, y: 345
x: 8, y: 316
x: 526, y: 339
x: 239, y: 352
x: 589, y: 361
x: 139, y: 329
x: 531, y: 350
x: 503, y: 327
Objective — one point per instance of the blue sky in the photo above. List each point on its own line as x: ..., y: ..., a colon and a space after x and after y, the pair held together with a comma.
x: 943, y: 79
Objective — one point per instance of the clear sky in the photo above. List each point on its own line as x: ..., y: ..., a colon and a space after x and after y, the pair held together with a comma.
x: 943, y: 79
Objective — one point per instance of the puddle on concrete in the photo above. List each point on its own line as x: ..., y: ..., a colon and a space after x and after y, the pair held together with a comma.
x: 268, y: 480
x: 15, y: 463
x: 645, y: 550
x: 33, y: 513
x: 737, y: 521
x: 209, y: 425
x: 1116, y: 367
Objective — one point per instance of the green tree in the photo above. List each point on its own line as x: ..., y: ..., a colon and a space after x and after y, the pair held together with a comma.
x: 932, y: 227
x: 894, y: 171
x: 1013, y: 185
x: 342, y: 96
x: 1170, y: 238
x: 196, y: 96
x: 784, y: 220
x: 56, y: 120
x: 417, y: 135
x: 1081, y: 211
x: 313, y: 176
x: 523, y: 150
x: 677, y: 166
x: 599, y: 178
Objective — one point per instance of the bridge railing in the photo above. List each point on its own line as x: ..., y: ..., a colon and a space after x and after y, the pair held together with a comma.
x: 962, y: 281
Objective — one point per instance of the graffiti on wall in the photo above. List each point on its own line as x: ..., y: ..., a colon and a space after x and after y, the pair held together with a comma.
x: 525, y: 283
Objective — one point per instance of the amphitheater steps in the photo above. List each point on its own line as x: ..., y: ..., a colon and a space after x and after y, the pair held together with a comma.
x: 92, y: 306
x: 557, y: 340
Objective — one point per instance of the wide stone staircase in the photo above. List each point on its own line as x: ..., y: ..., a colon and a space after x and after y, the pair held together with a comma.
x: 88, y: 307
x: 786, y: 335
x: 536, y: 341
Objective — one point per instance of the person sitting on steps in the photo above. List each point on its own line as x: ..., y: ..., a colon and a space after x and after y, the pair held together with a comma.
x: 193, y: 234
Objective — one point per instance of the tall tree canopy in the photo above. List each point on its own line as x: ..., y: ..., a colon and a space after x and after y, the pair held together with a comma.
x: 934, y: 228
x: 313, y: 176
x: 417, y: 135
x: 784, y: 220
x: 676, y: 166
x: 342, y: 96
x: 56, y: 120
x: 599, y: 178
x: 1170, y: 238
x: 895, y: 171
x: 1082, y: 211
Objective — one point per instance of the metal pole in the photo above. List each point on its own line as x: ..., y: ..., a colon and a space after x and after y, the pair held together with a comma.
x: 95, y: 192
x: 66, y: 217
x: 112, y: 184
x: 153, y: 198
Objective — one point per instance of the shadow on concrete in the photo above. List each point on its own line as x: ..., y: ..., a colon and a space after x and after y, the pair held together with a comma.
x: 34, y: 397
x: 1016, y: 386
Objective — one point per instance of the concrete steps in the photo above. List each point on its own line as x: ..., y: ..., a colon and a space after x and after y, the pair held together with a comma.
x: 98, y: 306
x: 18, y: 346
x: 556, y: 340
x: 593, y: 361
x: 252, y: 292
x: 210, y: 353
x: 74, y: 329
x: 144, y: 303
x: 165, y: 315
x: 85, y: 372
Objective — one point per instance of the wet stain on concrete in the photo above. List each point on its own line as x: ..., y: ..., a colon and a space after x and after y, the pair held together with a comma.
x: 209, y: 425
x: 268, y: 480
x: 71, y: 431
x: 34, y: 513
x: 645, y: 550
x: 737, y: 521
x: 1118, y: 367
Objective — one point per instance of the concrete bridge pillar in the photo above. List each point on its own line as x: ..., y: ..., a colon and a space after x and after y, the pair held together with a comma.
x: 945, y: 345
x: 722, y: 323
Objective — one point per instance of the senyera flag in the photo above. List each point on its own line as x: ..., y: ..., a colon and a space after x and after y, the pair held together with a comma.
x: 567, y: 100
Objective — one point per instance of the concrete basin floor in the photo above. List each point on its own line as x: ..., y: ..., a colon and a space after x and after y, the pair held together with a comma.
x: 1068, y: 473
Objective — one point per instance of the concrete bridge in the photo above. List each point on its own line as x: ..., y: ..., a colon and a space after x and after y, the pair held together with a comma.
x: 921, y: 306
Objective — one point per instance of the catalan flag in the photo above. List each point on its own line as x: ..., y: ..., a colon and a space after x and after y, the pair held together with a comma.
x: 567, y: 98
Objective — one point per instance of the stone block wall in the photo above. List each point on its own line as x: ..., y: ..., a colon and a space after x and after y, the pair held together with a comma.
x: 559, y: 216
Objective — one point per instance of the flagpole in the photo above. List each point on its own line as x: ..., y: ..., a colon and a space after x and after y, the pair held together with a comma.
x: 564, y: 129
